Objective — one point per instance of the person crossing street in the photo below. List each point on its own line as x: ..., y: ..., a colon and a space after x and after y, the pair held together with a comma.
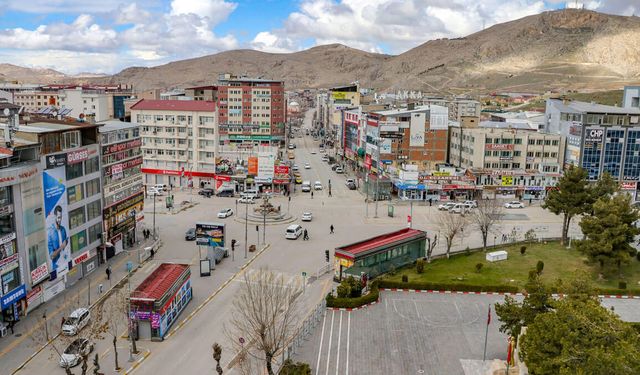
x: 331, y: 228
x: 305, y: 236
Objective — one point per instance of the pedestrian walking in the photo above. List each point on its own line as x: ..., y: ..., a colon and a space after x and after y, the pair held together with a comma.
x: 305, y: 237
x: 329, y: 191
x: 11, y: 324
x: 108, y: 272
x: 331, y: 228
x: 311, y: 194
x: 62, y: 322
x: 153, y: 252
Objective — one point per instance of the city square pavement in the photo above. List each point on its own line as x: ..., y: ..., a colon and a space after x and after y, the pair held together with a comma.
x: 188, y: 345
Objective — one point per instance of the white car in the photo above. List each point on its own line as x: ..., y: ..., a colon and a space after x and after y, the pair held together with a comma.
x: 472, y: 204
x: 339, y: 170
x: 307, y: 166
x: 322, y: 150
x: 317, y: 185
x: 460, y: 208
x: 307, y: 216
x: 225, y: 213
x: 350, y: 181
x: 246, y: 199
x: 73, y: 354
x: 446, y: 206
x: 514, y: 204
x: 295, y: 167
x: 313, y: 152
x: 154, y: 191
x: 76, y: 321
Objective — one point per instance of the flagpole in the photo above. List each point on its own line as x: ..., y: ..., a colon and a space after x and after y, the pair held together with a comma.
x: 486, y: 334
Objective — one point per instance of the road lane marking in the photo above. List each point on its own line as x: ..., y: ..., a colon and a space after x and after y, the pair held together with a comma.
x: 333, y: 313
x: 416, y: 306
x: 339, y: 334
x: 324, y: 320
x: 348, y: 336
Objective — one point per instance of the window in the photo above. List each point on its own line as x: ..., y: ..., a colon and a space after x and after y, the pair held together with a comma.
x: 76, y: 217
x: 78, y: 241
x: 75, y: 193
x: 11, y: 280
x: 518, y: 141
x: 517, y: 153
x: 94, y: 210
x: 93, y: 187
x: 515, y: 165
x: 5, y: 196
x: 74, y: 171
x: 6, y: 224
x: 531, y: 142
x: 94, y: 232
x: 71, y: 139
x: 37, y: 255
x: 92, y: 165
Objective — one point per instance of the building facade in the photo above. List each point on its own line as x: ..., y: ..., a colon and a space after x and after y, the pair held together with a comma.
x: 179, y: 140
x: 123, y: 183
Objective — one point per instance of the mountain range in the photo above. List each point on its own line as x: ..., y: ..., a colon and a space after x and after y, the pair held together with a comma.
x: 564, y: 49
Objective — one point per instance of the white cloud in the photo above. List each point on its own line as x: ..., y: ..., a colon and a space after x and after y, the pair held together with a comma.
x: 132, y: 13
x: 80, y: 35
x: 266, y: 41
x: 68, y: 6
x: 69, y: 62
x: 215, y: 10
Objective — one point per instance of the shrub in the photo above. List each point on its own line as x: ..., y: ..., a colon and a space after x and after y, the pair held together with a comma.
x: 405, y: 278
x: 467, y: 251
x: 523, y: 249
x: 298, y: 368
x: 372, y: 296
x: 420, y: 266
x: 355, y: 286
x: 343, y: 290
x: 622, y: 284
x: 392, y: 270
x: 479, y: 267
x: 539, y: 267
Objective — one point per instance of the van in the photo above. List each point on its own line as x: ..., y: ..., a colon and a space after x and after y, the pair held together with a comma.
x: 293, y: 232
x: 306, y: 186
x: 162, y: 187
x: 226, y: 193
x: 250, y: 193
x: 76, y: 321
x: 460, y: 208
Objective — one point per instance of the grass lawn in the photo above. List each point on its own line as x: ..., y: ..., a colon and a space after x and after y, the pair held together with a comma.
x: 558, y: 263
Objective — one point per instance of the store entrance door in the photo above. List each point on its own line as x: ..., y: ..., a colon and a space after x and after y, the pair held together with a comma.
x: 144, y: 329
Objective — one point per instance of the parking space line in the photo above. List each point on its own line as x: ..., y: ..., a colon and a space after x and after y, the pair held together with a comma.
x: 338, y: 352
x: 348, y: 336
x: 333, y: 313
x: 324, y: 320
x: 416, y: 306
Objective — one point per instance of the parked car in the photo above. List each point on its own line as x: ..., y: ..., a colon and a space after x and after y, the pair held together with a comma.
x: 73, y: 354
x: 307, y: 166
x: 321, y: 150
x: 350, y: 181
x: 472, y: 204
x: 446, y: 206
x: 317, y: 185
x: 307, y: 216
x: 460, y: 208
x: 514, y: 204
x: 206, y: 192
x: 152, y: 191
x: 334, y: 167
x: 325, y: 158
x: 162, y: 187
x: 246, y: 199
x: 313, y: 152
x: 224, y: 213
x: 226, y: 193
x: 351, y: 186
x: 76, y: 321
x: 339, y: 170
x: 190, y: 235
x: 291, y: 146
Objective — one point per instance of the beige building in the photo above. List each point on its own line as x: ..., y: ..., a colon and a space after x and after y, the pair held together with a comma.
x: 502, y: 147
x: 179, y: 140
x: 32, y: 101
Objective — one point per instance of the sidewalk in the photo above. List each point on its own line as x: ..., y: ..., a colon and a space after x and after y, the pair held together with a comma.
x: 82, y: 294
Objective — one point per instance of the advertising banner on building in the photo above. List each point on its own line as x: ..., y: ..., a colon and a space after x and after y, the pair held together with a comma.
x: 498, y: 147
x: 266, y: 162
x: 252, y: 167
x: 210, y: 234
x: 281, y: 174
x: 507, y: 180
x: 416, y: 131
x: 33, y: 225
x: 56, y: 220
x: 385, y: 146
x: 438, y: 118
x: 594, y: 135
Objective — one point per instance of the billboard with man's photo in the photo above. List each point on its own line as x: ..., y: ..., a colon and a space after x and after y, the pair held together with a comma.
x: 56, y: 220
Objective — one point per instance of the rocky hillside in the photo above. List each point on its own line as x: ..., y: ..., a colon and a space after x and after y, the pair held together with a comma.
x: 574, y: 49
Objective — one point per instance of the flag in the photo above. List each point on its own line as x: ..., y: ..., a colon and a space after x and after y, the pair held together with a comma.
x: 509, y: 352
x: 489, y: 316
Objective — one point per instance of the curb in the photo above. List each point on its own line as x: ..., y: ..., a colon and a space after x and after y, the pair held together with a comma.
x: 212, y: 295
x: 352, y: 308
x: 138, y: 362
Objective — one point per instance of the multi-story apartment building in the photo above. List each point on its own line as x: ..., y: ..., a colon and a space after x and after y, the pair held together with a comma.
x: 251, y: 113
x: 179, y: 140
x: 631, y: 97
x: 34, y: 100
x: 85, y: 104
x: 600, y: 138
x: 460, y: 107
x: 505, y: 146
x: 123, y: 183
x: 339, y: 99
x: 206, y: 93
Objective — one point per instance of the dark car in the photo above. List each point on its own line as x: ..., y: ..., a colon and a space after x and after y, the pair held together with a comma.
x: 226, y: 193
x: 190, y: 235
x: 351, y: 186
x: 206, y: 192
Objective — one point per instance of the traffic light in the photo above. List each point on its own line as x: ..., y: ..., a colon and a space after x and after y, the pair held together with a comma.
x: 326, y: 255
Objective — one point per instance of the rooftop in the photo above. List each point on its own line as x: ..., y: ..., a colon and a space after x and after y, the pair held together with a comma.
x: 159, y: 281
x: 381, y: 241
x: 175, y: 105
x: 509, y: 124
x: 111, y: 125
x: 584, y: 107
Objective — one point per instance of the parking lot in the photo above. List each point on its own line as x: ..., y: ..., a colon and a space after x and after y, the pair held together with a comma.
x: 406, y: 333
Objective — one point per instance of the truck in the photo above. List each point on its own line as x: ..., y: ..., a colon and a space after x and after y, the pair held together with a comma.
x: 211, y: 236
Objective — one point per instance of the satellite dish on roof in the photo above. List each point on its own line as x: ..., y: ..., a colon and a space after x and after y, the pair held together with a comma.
x: 6, y: 112
x: 54, y: 113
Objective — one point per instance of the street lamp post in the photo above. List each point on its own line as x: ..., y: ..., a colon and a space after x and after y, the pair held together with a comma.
x: 246, y: 223
x: 377, y: 196
x: 132, y: 348
x: 154, y: 216
x: 264, y: 221
x: 46, y: 325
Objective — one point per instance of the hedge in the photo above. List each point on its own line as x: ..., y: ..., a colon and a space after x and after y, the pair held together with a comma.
x: 351, y: 303
x: 425, y: 285
x: 622, y: 292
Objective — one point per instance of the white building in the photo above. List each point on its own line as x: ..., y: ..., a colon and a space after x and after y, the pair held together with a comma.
x: 179, y: 140
x: 85, y: 104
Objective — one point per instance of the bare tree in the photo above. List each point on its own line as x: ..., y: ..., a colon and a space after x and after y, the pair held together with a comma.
x: 265, y: 313
x: 431, y: 244
x: 114, y: 316
x: 485, y: 217
x: 451, y: 225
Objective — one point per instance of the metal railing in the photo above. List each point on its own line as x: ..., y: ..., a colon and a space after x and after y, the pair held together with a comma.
x: 304, y: 331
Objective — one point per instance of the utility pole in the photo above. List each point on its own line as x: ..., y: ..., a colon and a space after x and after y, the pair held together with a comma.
x: 246, y: 223
x: 154, y: 216
x: 264, y: 221
x: 46, y: 325
x: 377, y: 196
x: 411, y: 214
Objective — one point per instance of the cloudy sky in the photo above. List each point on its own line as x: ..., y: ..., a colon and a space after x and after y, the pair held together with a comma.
x: 106, y: 36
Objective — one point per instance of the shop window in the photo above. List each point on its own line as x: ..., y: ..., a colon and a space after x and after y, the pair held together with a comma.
x: 94, y: 232
x: 6, y: 224
x: 71, y: 139
x: 5, y: 196
x: 92, y: 165
x: 94, y: 210
x: 7, y: 249
x: 37, y: 255
x: 74, y: 171
x: 11, y: 280
x: 93, y: 187
x: 76, y: 217
x: 78, y: 241
x: 75, y: 193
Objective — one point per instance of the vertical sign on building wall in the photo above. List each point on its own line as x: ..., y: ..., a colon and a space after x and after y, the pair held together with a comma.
x: 266, y: 162
x: 56, y: 220
x: 416, y: 131
x: 33, y: 223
